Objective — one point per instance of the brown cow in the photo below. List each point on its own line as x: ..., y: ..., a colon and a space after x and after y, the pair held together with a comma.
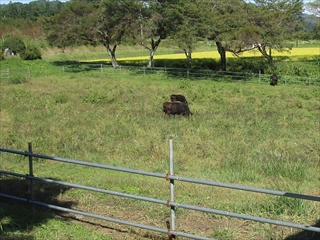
x: 176, y: 108
x: 178, y: 97
x: 274, y: 80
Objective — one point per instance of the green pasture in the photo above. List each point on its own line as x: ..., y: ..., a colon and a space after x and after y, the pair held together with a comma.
x: 302, y: 60
x: 242, y: 133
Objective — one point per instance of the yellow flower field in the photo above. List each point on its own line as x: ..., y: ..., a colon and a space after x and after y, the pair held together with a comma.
x: 294, y: 53
x: 215, y: 54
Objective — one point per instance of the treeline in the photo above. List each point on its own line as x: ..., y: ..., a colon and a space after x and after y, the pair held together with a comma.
x: 234, y: 26
x: 31, y: 11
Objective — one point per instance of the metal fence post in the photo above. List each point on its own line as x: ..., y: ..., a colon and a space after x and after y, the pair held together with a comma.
x: 173, y: 215
x: 31, y: 197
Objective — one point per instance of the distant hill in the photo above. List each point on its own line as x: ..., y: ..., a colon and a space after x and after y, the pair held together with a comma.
x: 309, y: 20
x: 31, y: 10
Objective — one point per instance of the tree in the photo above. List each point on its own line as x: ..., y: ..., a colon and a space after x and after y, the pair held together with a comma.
x: 152, y: 27
x: 275, y: 22
x: 11, y: 11
x: 15, y: 44
x: 188, y: 24
x: 32, y: 10
x: 105, y: 22
x: 228, y: 28
x: 314, y: 7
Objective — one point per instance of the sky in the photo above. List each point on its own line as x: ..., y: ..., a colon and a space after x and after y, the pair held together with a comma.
x: 27, y: 1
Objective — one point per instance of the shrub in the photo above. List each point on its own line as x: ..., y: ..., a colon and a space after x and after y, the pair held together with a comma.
x: 15, y: 44
x: 17, y: 80
x: 31, y: 53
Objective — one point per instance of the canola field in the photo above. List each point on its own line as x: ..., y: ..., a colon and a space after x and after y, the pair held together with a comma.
x: 293, y: 54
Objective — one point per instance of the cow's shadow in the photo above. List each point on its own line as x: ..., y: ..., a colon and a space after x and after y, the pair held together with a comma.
x: 306, y: 235
x: 18, y: 216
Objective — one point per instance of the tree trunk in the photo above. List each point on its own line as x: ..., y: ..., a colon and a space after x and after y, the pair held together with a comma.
x: 188, y: 54
x: 151, y: 62
x: 223, y: 58
x: 152, y: 50
x: 263, y: 50
x: 112, y: 55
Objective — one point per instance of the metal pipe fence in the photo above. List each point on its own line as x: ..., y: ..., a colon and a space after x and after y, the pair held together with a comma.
x: 171, y: 230
x: 192, y: 74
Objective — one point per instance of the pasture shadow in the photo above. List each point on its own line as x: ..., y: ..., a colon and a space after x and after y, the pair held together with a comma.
x: 76, y: 67
x: 17, y: 216
x: 66, y: 63
x: 306, y: 235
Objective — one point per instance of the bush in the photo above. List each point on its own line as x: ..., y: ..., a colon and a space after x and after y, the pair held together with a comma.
x: 17, y: 80
x: 31, y: 53
x: 15, y: 44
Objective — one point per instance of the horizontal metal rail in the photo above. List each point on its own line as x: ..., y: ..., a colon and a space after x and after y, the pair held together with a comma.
x: 247, y: 217
x: 171, y: 177
x: 169, y: 232
x: 169, y: 203
x: 97, y: 165
x: 245, y: 188
x: 72, y: 185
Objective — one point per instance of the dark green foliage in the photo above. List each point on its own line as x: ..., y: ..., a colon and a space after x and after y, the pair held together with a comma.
x: 31, y: 11
x: 14, y: 43
x: 17, y: 80
x: 31, y: 53
x: 95, y: 97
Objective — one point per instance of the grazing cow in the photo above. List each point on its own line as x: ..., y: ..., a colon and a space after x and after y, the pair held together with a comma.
x: 176, y: 108
x: 177, y: 97
x: 274, y: 80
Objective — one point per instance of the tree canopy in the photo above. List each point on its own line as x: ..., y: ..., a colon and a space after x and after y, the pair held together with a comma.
x: 31, y: 11
x: 235, y: 25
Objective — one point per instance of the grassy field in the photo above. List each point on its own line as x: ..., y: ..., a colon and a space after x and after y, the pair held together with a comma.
x: 242, y: 133
x: 294, y: 54
x: 87, y: 53
x: 302, y: 61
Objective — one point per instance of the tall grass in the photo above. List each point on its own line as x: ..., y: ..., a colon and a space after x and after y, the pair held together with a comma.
x: 241, y: 133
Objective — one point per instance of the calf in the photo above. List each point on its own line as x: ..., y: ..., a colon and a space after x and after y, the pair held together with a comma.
x: 176, y: 108
x: 178, y: 97
x: 274, y: 80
